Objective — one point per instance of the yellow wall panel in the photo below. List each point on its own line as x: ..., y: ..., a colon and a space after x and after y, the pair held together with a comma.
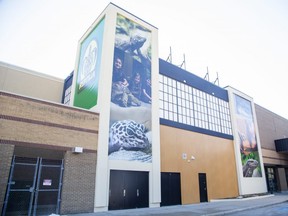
x: 213, y: 156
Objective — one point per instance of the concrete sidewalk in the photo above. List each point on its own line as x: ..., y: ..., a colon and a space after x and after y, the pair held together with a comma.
x: 215, y: 207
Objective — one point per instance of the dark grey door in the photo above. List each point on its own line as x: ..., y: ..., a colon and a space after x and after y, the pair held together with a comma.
x: 128, y: 189
x: 142, y: 191
x: 170, y: 189
x: 203, y: 187
x: 34, y: 187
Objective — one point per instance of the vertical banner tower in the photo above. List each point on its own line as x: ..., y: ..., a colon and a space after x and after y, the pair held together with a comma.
x: 249, y: 161
x: 116, y: 75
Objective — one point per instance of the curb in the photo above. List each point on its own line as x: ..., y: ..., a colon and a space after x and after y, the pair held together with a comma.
x: 244, y: 209
x: 241, y: 199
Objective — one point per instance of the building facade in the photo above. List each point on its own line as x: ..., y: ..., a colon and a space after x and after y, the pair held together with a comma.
x: 92, y: 143
x: 40, y: 157
x: 273, y: 130
x: 195, y: 133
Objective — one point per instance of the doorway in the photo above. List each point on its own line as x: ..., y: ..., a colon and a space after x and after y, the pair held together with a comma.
x: 203, y: 187
x: 34, y: 187
x: 170, y: 189
x: 128, y: 189
x: 271, y: 179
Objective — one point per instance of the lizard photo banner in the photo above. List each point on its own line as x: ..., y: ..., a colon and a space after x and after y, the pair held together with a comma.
x: 246, y: 133
x: 130, y: 111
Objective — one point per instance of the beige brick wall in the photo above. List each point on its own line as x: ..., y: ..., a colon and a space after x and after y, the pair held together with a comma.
x: 23, y: 107
x: 46, y: 135
x: 25, y: 120
x: 30, y: 124
x: 6, y: 154
x: 78, y: 183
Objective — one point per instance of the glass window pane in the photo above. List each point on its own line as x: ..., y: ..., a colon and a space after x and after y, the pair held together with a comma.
x: 161, y: 105
x: 179, y: 102
x: 174, y: 107
x: 165, y: 105
x: 174, y: 100
x: 175, y: 116
x: 170, y: 98
x: 174, y: 91
x: 165, y: 80
x: 174, y: 83
x: 161, y: 113
x: 165, y: 97
x: 160, y: 95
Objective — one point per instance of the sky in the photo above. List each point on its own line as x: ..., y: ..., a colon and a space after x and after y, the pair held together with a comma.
x: 245, y: 42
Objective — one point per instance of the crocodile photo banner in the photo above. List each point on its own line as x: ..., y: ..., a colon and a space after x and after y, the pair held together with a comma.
x: 86, y: 91
x: 130, y: 111
x: 246, y: 133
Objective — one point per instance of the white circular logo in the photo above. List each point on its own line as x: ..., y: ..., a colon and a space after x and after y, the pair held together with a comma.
x: 89, y: 60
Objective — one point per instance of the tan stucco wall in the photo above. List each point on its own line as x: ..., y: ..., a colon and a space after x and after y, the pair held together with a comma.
x: 271, y: 157
x: 282, y: 179
x: 271, y: 127
x: 29, y: 83
x: 213, y: 156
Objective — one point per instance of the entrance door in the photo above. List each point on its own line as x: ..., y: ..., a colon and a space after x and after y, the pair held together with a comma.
x: 170, y: 189
x: 128, y: 189
x: 203, y: 187
x: 34, y: 187
x: 271, y: 179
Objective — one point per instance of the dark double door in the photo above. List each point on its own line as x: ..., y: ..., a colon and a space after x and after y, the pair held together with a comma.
x: 128, y: 189
x: 34, y: 187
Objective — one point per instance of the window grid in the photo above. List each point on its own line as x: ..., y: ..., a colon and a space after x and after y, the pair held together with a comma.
x: 167, y: 99
x: 67, y: 95
x: 187, y: 105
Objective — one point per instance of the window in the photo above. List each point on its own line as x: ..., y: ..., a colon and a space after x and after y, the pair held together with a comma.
x: 67, y: 96
x: 182, y: 103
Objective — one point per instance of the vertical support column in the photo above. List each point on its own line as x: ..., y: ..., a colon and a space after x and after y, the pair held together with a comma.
x: 78, y: 183
x: 247, y: 145
x: 116, y: 31
x: 155, y: 187
x: 102, y: 169
x: 281, y: 178
x: 6, y: 155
